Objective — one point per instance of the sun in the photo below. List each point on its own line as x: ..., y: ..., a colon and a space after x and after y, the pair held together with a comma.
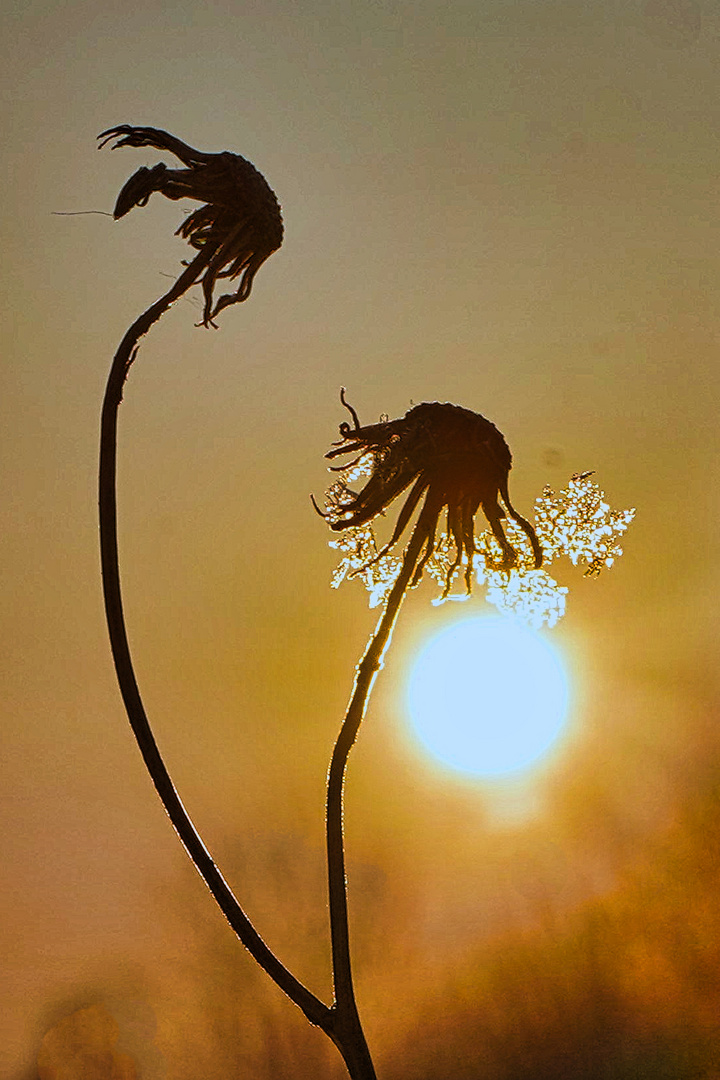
x: 488, y: 696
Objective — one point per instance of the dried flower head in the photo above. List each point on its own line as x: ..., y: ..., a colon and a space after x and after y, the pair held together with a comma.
x: 453, y: 457
x: 239, y: 226
x: 459, y: 460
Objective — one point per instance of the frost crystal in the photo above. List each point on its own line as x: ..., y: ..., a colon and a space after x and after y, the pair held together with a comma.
x: 580, y: 524
x: 577, y: 523
x: 360, y: 551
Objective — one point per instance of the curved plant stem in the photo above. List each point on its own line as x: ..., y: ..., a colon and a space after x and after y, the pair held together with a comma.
x: 314, y: 1009
x: 347, y: 1017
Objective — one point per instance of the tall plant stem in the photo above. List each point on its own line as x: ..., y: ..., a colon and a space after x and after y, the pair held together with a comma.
x: 347, y: 1016
x: 314, y: 1009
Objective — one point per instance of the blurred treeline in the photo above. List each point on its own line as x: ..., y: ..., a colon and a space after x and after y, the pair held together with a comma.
x: 623, y: 986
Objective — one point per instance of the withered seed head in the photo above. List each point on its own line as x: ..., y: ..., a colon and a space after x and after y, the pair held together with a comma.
x: 239, y: 226
x: 452, y: 456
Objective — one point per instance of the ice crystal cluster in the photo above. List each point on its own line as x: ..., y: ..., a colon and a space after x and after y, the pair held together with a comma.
x: 576, y: 523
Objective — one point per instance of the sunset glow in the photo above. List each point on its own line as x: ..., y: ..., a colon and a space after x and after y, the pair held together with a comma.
x: 488, y: 696
x: 508, y: 207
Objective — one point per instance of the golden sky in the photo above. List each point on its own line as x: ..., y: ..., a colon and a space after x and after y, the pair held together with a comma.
x: 512, y: 206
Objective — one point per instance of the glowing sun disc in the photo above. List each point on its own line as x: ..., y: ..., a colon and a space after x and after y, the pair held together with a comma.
x: 488, y: 696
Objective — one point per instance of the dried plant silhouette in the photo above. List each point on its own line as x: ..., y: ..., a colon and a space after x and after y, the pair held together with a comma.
x: 455, y: 460
x: 236, y: 230
x: 460, y: 462
x: 239, y: 226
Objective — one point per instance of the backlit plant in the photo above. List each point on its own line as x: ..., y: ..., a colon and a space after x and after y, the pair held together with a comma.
x: 460, y: 463
x: 454, y: 461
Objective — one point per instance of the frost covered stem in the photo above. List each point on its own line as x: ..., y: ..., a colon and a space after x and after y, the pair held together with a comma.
x: 347, y: 1018
x: 314, y: 1009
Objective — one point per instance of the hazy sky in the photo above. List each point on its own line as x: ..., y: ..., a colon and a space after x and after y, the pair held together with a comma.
x: 512, y: 206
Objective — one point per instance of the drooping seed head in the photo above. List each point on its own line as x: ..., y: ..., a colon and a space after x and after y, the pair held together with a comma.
x: 239, y: 224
